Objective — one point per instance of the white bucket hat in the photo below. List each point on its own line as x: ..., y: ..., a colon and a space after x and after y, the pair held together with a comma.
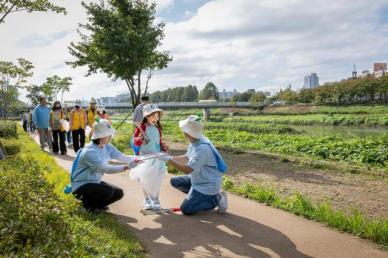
x: 151, y: 108
x: 102, y: 129
x: 193, y: 126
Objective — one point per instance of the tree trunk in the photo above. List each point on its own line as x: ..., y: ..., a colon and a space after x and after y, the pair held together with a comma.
x: 138, y: 87
x: 148, y: 79
x: 131, y: 88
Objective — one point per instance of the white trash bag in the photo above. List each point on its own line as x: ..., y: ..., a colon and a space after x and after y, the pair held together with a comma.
x: 150, y: 174
x: 87, y: 130
x: 65, y: 124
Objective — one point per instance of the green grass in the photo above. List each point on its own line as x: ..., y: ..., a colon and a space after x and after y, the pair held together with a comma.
x: 251, y: 128
x: 369, y: 152
x: 310, y: 119
x: 86, y: 234
x: 352, y: 221
x: 315, y: 109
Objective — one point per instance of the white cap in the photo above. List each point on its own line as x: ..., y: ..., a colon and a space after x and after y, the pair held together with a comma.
x: 151, y: 108
x: 102, y: 129
x: 192, y: 126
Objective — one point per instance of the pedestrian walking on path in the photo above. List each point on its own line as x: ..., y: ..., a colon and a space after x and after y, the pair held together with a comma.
x: 91, y: 113
x: 138, y: 113
x: 57, y: 128
x: 78, y: 122
x: 41, y: 119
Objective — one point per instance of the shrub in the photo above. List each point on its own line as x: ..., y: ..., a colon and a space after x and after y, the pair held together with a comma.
x: 32, y: 220
x: 10, y: 146
x: 7, y: 129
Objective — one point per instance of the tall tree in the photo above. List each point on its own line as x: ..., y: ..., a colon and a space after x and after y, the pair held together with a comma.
x: 122, y: 39
x: 9, y: 6
x: 33, y: 93
x: 12, y: 76
x: 210, y: 91
x: 58, y: 85
x: 258, y: 98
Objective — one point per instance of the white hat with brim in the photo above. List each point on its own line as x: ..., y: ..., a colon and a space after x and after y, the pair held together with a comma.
x: 192, y: 126
x: 149, y: 109
x: 102, y: 129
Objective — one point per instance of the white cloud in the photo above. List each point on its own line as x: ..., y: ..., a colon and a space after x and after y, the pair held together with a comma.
x: 276, y: 42
x: 242, y: 44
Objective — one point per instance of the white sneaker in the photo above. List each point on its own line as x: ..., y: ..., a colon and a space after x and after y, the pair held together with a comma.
x: 223, y: 203
x: 156, y: 205
x: 148, y: 203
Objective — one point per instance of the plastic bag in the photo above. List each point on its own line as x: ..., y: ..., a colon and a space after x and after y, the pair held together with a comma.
x: 150, y: 174
x: 65, y: 124
x: 87, y: 130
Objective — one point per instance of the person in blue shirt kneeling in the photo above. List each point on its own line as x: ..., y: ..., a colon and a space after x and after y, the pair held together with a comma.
x: 204, y: 169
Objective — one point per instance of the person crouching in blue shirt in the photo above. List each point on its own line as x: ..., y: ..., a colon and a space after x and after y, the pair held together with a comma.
x: 204, y: 169
x: 90, y: 165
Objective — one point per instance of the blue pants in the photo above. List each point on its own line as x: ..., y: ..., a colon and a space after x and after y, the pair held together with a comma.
x: 68, y: 136
x: 194, y: 201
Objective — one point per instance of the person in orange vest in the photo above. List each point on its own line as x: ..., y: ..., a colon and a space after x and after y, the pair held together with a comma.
x: 91, y: 113
x: 57, y: 128
x: 78, y: 122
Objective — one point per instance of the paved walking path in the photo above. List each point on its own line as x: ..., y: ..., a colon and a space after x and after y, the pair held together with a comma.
x: 249, y: 229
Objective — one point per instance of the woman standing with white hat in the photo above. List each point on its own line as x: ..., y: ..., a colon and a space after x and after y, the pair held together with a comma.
x: 90, y: 165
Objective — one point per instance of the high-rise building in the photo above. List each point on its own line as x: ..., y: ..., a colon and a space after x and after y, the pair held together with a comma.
x: 311, y: 81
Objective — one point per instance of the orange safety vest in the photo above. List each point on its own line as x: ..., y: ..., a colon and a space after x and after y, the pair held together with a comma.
x: 91, y: 116
x: 52, y: 117
x: 78, y: 119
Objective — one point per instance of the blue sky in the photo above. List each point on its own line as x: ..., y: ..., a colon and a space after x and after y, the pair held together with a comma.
x: 180, y: 10
x: 246, y: 44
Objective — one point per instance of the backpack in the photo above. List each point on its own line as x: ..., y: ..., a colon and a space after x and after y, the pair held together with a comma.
x: 221, y: 165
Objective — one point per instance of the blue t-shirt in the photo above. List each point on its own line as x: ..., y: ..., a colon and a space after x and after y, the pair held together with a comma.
x: 41, y: 116
x: 205, y: 178
x: 153, y: 146
x: 90, y: 159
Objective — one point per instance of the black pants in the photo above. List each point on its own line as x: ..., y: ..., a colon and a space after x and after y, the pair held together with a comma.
x: 98, y: 196
x: 78, y: 139
x: 25, y: 126
x: 61, y: 144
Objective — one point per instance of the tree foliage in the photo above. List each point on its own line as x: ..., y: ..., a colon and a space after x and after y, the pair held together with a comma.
x: 9, y: 6
x: 177, y: 94
x: 210, y: 91
x: 12, y: 77
x: 352, y: 91
x: 50, y: 88
x: 121, y: 40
